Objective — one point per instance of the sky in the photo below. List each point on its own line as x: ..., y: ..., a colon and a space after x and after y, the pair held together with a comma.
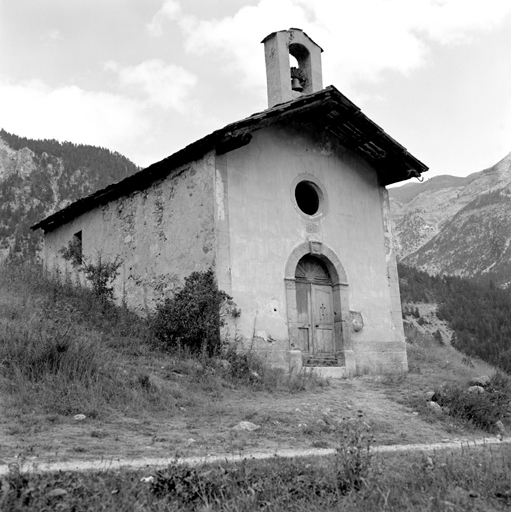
x: 147, y: 77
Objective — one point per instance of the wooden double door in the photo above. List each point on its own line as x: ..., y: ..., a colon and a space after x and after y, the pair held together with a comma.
x: 314, y: 308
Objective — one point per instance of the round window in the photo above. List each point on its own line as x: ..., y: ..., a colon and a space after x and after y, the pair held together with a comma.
x: 307, y: 197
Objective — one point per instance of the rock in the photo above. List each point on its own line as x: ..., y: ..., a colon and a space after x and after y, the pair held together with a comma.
x: 151, y: 383
x: 435, y: 407
x: 482, y: 380
x: 246, y: 425
x: 147, y: 479
x: 79, y: 417
x: 476, y: 389
x: 500, y: 427
x: 156, y: 383
x: 321, y: 423
x: 225, y: 365
x: 57, y: 492
x: 428, y: 396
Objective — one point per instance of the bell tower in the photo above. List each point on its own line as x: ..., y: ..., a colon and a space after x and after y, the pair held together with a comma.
x: 286, y: 83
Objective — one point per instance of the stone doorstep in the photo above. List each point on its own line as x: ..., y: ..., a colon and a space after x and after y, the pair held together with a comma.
x: 329, y: 372
x: 324, y: 360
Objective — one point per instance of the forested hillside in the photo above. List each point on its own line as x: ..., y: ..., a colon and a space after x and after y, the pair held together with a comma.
x: 39, y: 177
x: 479, y: 313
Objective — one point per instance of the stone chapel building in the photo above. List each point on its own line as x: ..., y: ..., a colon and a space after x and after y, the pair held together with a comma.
x: 288, y: 206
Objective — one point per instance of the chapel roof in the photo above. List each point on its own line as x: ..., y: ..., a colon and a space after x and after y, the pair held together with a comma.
x: 328, y: 108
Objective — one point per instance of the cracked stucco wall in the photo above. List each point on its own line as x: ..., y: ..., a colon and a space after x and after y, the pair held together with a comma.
x: 162, y: 234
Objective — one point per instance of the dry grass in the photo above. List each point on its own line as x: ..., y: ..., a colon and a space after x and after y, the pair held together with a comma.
x: 473, y: 479
x: 436, y: 367
x: 64, y: 352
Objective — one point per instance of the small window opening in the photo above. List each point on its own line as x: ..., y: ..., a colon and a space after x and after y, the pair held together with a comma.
x: 77, y: 246
x: 307, y: 197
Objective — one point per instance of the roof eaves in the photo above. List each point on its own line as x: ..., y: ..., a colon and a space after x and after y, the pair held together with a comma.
x: 237, y: 134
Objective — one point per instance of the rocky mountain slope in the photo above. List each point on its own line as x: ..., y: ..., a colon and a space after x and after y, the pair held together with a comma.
x: 39, y: 177
x: 459, y: 226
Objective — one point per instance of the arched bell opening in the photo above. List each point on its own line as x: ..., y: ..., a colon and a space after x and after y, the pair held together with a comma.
x: 317, y: 305
x: 300, y: 74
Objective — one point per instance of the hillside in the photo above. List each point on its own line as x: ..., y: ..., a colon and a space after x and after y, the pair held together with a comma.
x: 456, y: 226
x: 39, y: 177
x: 475, y: 314
x: 69, y: 354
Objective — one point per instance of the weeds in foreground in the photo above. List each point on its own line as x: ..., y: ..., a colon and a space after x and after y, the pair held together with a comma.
x: 473, y: 479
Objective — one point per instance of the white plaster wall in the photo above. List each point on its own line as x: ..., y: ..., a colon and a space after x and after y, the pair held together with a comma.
x: 264, y: 227
x: 162, y: 234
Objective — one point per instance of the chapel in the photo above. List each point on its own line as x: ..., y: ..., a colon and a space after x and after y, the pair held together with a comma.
x: 290, y: 209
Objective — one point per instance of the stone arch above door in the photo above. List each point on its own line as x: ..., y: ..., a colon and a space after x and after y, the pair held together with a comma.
x: 342, y: 349
x: 322, y: 252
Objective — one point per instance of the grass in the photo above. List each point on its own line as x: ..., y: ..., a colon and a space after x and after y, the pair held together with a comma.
x: 64, y: 352
x: 473, y: 479
x: 441, y: 369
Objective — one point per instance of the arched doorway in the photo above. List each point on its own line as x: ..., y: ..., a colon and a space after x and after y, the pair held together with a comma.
x: 317, y: 295
x: 314, y: 308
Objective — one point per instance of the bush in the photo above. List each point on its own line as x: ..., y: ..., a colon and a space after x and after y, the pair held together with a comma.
x: 192, y: 318
x: 481, y: 409
x: 101, y: 274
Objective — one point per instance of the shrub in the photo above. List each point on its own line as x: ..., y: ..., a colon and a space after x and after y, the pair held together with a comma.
x: 192, y: 318
x: 482, y: 409
x: 100, y: 274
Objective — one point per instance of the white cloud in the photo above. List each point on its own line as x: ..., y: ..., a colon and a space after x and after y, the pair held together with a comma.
x: 164, y: 85
x: 170, y: 10
x: 35, y: 110
x: 363, y: 38
x: 234, y: 40
x: 55, y: 34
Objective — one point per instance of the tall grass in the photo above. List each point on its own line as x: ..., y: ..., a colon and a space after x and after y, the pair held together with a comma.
x: 63, y: 351
x: 57, y: 346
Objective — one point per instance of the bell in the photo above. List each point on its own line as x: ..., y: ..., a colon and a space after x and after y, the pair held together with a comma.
x: 296, y: 85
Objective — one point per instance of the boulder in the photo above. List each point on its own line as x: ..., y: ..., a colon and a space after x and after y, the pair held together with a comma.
x: 500, y: 427
x: 246, y: 425
x: 476, y: 389
x: 435, y: 407
x: 428, y: 396
x: 482, y: 380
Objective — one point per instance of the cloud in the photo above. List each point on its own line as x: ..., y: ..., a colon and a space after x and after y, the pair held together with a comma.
x: 363, y: 38
x: 164, y: 85
x: 55, y: 34
x: 35, y: 110
x: 170, y: 10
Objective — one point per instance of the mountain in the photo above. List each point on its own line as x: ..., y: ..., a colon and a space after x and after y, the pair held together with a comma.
x: 39, y: 177
x: 457, y: 226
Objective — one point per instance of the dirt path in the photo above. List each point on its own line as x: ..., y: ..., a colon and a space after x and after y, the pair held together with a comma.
x: 287, y: 422
x: 114, y: 464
